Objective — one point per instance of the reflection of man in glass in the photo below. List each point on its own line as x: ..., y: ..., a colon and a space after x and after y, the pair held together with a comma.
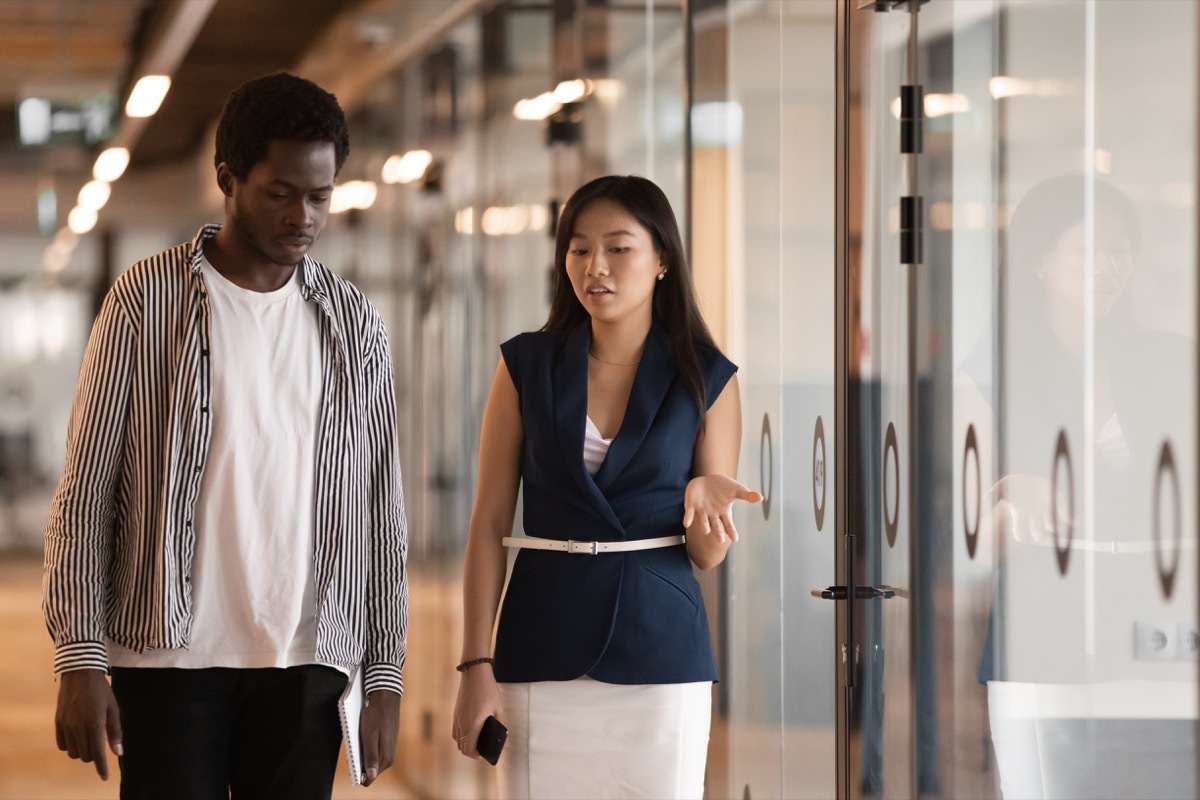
x: 1086, y: 390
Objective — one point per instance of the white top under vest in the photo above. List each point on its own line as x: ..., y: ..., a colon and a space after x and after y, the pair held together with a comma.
x: 252, y: 577
x: 595, y: 447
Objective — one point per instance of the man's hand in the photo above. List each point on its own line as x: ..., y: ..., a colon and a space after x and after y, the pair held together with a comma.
x: 378, y: 729
x: 87, y: 713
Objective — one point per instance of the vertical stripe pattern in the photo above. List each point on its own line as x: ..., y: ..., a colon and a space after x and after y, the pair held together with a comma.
x: 119, y: 539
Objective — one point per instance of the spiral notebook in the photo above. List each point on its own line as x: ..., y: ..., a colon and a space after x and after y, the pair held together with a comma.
x: 350, y: 706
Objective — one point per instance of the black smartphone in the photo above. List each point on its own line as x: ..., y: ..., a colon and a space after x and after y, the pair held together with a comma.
x: 491, y: 740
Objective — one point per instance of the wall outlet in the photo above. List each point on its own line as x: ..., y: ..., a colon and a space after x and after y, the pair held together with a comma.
x: 1156, y: 640
x: 1189, y: 641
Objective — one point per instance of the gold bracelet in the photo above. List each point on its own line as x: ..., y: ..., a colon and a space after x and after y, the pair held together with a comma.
x: 464, y: 666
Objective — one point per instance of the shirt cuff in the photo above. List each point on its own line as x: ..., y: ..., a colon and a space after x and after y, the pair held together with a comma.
x: 80, y: 655
x: 383, y: 676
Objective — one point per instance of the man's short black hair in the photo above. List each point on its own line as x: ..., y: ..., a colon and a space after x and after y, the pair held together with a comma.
x: 279, y: 106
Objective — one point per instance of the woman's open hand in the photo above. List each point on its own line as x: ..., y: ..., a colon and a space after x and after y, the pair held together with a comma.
x: 709, y: 500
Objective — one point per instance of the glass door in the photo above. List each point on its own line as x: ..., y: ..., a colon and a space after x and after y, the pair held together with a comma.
x: 883, y: 286
x: 763, y: 139
x: 1022, y: 399
x: 807, y: 436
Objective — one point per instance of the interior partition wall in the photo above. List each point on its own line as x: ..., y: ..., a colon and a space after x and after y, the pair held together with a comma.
x: 763, y: 124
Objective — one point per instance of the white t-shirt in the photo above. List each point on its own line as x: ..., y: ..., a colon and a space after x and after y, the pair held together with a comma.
x: 252, y: 577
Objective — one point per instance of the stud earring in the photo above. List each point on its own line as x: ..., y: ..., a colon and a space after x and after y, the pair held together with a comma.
x: 662, y: 274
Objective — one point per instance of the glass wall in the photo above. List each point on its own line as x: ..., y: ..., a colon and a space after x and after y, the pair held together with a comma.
x: 1097, y: 612
x: 763, y: 144
x: 1048, y: 583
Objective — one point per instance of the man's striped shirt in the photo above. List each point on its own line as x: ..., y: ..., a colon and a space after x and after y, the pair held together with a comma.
x: 120, y: 541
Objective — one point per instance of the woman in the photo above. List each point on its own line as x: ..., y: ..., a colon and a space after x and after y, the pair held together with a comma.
x: 621, y: 421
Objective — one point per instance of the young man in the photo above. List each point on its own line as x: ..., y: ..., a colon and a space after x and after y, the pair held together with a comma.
x: 228, y: 539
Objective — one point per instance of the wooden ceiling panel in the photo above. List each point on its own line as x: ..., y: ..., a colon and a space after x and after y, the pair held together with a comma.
x: 239, y: 41
x: 59, y: 46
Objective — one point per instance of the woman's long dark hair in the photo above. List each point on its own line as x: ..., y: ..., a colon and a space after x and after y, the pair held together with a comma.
x: 674, y: 307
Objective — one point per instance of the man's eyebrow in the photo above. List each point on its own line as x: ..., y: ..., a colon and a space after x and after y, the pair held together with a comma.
x: 287, y: 185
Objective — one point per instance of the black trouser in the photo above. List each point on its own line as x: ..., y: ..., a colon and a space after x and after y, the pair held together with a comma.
x: 221, y: 733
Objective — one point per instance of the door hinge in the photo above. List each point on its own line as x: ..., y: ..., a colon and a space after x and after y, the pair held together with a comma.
x: 911, y: 229
x: 912, y: 118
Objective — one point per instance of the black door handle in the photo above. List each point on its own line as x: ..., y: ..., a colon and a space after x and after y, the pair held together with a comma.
x: 860, y: 593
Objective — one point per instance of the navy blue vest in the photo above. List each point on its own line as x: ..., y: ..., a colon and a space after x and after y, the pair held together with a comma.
x: 626, y: 618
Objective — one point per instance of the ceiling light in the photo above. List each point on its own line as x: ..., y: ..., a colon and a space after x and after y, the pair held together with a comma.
x: 939, y: 105
x: 111, y: 164
x: 81, y: 220
x: 539, y: 217
x: 353, y: 194
x: 504, y: 220
x: 1001, y: 86
x: 464, y: 220
x: 539, y: 107
x: 94, y: 195
x: 570, y: 91
x: 407, y: 168
x: 147, y: 95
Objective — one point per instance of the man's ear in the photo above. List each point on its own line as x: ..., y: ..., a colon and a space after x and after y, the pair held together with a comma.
x: 225, y: 179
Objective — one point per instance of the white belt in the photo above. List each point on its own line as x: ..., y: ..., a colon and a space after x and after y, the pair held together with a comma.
x: 590, y: 548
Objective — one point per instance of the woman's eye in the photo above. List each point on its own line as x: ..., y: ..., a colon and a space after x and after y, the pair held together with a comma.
x: 618, y: 250
x: 577, y: 252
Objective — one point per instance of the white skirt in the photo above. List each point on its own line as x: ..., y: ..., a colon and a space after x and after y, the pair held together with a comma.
x: 588, y: 740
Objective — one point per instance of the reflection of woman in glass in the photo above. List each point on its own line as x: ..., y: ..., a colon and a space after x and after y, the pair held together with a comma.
x: 1077, y: 571
x: 1046, y: 241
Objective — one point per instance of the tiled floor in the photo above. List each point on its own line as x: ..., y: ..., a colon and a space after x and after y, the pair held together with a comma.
x: 31, y: 766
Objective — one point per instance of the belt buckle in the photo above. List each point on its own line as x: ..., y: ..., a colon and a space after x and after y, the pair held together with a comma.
x: 582, y: 548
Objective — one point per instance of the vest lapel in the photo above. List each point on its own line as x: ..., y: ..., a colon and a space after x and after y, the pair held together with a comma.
x: 650, y: 385
x: 570, y: 412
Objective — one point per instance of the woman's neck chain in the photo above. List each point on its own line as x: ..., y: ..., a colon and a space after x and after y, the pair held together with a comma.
x: 613, y: 363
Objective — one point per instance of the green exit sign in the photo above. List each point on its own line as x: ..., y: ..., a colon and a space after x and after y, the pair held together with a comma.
x: 42, y: 121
